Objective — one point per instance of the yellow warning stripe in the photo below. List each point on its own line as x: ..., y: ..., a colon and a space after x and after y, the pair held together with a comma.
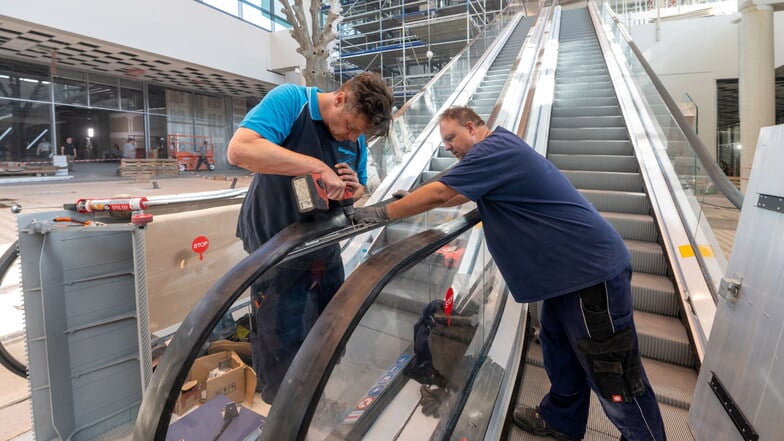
x: 688, y: 251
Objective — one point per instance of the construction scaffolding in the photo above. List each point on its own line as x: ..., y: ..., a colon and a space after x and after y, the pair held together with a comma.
x: 407, y: 42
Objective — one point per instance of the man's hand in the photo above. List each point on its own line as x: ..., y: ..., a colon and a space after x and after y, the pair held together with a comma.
x: 400, y: 194
x: 370, y: 215
x: 349, y: 176
x: 333, y: 184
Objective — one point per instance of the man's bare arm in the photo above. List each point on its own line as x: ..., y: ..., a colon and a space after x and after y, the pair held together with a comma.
x: 249, y: 150
x: 423, y: 199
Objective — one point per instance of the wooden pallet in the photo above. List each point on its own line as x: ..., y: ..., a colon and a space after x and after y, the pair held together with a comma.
x: 149, y: 167
x: 20, y: 169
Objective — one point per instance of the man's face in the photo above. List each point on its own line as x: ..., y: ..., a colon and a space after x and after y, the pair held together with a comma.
x: 344, y: 123
x: 458, y: 139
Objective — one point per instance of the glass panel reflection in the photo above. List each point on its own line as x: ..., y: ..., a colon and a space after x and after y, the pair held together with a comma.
x: 409, y: 360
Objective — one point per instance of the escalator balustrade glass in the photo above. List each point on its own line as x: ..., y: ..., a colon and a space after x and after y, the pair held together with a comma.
x: 407, y: 365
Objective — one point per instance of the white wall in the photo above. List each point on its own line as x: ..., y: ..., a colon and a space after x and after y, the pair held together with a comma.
x: 692, y: 54
x: 180, y: 29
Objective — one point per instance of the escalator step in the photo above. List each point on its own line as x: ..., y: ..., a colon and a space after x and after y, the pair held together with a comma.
x: 536, y: 385
x: 605, y: 180
x: 591, y: 147
x: 663, y: 338
x: 588, y: 121
x: 618, y: 201
x: 589, y: 134
x: 576, y: 111
x: 647, y: 257
x: 610, y: 163
x: 655, y: 294
x: 633, y: 226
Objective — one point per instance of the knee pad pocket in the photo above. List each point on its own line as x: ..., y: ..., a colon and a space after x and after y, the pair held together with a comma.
x: 615, y: 366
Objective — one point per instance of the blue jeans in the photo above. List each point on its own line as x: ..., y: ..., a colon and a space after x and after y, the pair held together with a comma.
x: 565, y: 407
x: 286, y: 303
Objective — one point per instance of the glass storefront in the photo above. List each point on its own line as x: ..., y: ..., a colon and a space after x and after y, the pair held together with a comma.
x: 101, y: 113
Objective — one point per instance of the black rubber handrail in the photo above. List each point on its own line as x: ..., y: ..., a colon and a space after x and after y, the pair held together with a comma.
x: 161, y: 394
x: 297, y: 398
x: 6, y: 359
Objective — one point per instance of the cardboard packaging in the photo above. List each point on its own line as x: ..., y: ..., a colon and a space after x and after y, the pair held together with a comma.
x: 190, y: 396
x: 222, y: 373
x: 206, y: 422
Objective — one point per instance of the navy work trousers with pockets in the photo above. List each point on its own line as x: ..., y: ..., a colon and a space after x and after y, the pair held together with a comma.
x: 565, y: 407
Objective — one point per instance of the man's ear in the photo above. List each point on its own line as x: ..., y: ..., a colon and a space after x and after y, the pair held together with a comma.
x: 339, y: 99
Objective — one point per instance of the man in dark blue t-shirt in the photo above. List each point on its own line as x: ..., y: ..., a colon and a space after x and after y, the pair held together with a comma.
x: 550, y: 244
x: 295, y: 131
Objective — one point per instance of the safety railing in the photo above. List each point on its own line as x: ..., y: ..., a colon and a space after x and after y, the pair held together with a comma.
x: 709, y: 204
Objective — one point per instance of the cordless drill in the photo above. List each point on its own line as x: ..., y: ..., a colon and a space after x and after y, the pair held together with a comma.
x: 312, y: 196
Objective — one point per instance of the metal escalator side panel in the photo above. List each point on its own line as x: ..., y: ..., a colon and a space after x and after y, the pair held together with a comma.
x: 311, y: 369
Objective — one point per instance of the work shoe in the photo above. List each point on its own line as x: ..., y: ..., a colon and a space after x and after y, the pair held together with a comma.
x: 528, y: 419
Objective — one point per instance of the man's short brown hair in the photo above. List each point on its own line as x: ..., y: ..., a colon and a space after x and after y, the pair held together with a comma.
x: 370, y: 96
x: 462, y: 114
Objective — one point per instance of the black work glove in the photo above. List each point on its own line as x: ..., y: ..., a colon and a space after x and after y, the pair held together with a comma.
x: 431, y: 399
x: 400, y: 194
x: 370, y: 215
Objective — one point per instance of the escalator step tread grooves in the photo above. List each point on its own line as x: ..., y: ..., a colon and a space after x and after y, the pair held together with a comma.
x: 536, y: 384
x: 590, y: 144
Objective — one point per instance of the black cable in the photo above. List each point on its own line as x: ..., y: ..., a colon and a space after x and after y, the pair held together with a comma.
x: 6, y: 359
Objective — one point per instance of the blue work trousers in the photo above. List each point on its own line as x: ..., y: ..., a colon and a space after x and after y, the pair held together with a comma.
x: 286, y: 303
x: 565, y: 407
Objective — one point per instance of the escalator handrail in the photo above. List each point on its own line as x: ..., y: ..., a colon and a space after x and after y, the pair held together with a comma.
x: 309, y: 372
x: 6, y: 359
x: 713, y: 170
x: 164, y: 388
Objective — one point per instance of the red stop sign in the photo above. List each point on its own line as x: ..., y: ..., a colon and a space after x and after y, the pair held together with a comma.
x: 200, y: 245
x: 449, y: 300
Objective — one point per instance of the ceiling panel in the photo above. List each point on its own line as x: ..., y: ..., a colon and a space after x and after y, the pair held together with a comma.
x: 23, y: 41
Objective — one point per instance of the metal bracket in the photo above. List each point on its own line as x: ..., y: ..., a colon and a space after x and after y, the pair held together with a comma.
x: 729, y: 288
x: 770, y: 202
x: 743, y: 425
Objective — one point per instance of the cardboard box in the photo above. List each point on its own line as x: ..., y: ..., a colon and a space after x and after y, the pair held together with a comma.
x: 190, y: 396
x: 231, y: 377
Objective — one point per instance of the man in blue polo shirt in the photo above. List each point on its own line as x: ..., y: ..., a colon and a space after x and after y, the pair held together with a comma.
x: 550, y: 244
x: 295, y: 131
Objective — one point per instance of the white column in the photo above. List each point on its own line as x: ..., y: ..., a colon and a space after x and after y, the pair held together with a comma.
x: 756, y: 81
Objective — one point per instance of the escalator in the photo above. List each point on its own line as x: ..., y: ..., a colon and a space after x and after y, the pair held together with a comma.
x: 590, y: 143
x: 161, y: 393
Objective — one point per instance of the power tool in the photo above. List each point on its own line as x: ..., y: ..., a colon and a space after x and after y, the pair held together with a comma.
x: 312, y: 196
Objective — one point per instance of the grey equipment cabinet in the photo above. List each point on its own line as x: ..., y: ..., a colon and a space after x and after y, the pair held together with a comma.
x: 88, y: 342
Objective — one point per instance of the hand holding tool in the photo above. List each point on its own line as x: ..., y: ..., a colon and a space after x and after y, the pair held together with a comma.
x: 311, y: 195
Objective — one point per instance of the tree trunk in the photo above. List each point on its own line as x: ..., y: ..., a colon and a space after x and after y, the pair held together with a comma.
x: 314, y: 45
